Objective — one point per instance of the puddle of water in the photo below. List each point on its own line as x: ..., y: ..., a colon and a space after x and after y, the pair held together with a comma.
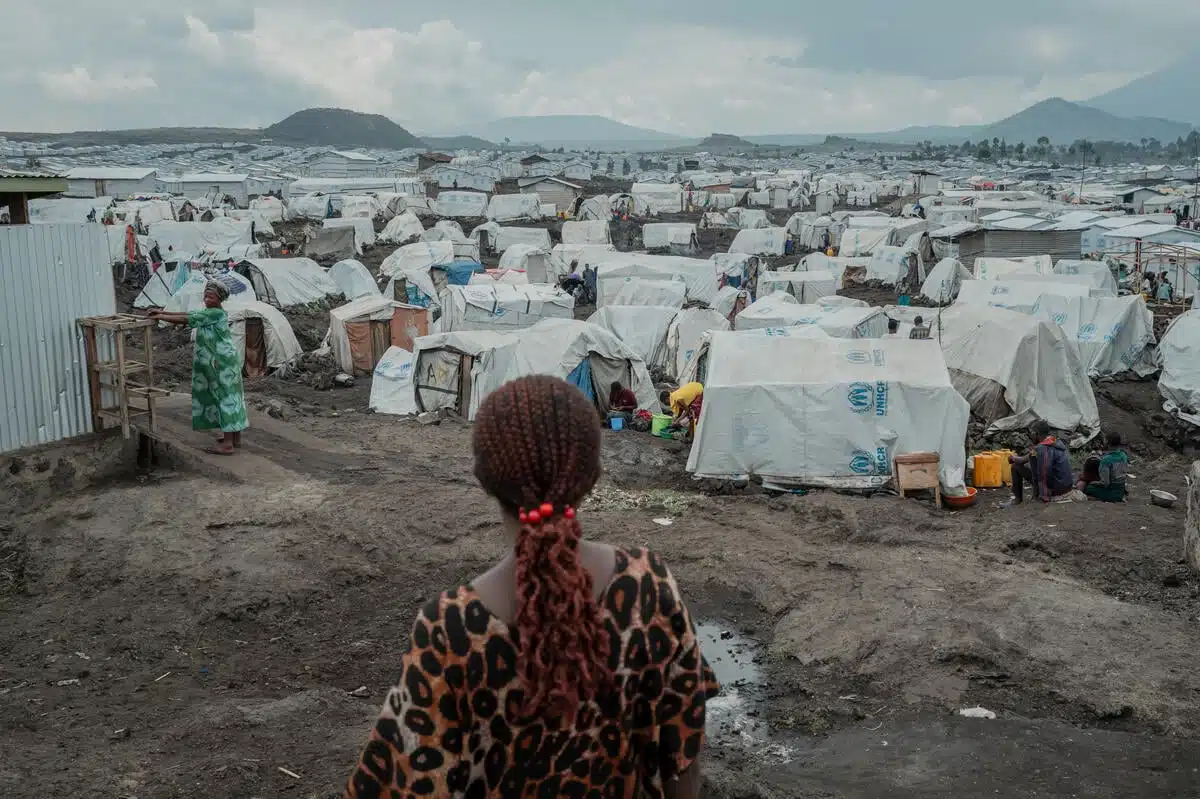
x: 733, y: 716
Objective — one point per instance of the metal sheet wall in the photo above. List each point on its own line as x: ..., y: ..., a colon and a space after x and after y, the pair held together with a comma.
x: 50, y: 275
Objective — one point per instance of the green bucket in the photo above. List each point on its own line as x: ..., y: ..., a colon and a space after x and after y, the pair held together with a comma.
x: 658, y: 424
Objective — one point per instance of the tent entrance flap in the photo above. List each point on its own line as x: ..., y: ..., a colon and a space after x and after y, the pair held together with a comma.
x: 255, y: 362
x: 605, y: 372
x: 581, y: 378
x: 437, y: 379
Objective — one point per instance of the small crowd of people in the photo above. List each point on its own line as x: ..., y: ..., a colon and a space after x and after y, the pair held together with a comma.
x: 920, y: 331
x: 1157, y: 286
x: 1046, y: 466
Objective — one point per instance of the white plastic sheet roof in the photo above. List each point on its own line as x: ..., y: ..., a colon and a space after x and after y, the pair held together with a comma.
x: 697, y: 273
x: 502, y: 306
x: 1179, y: 355
x: 992, y: 268
x: 363, y: 308
x: 806, y: 287
x: 295, y: 281
x: 282, y: 348
x: 401, y: 228
x: 764, y: 241
x: 782, y: 310
x: 642, y: 328
x: 353, y: 279
x: 832, y: 412
x: 510, y: 207
x: 592, y: 232
x: 181, y: 239
x: 942, y: 284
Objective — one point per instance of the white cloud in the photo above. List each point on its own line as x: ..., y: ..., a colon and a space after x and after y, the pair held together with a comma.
x: 201, y: 40
x: 78, y: 83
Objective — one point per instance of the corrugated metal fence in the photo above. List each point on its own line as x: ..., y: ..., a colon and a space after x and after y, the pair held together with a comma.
x: 50, y: 275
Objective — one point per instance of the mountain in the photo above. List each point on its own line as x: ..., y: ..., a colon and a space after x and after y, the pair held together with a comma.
x: 723, y: 144
x: 1064, y: 122
x: 341, y: 128
x: 458, y: 143
x: 1170, y: 92
x: 577, y: 131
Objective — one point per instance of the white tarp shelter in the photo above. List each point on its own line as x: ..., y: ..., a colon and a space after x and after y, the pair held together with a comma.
x: 562, y: 256
x: 284, y: 282
x: 889, y: 265
x: 592, y: 232
x: 687, y: 332
x: 677, y: 236
x: 353, y: 279
x: 401, y: 229
x: 1015, y: 295
x: 187, y: 290
x: 533, y: 261
x: 392, y: 384
x: 828, y: 412
x: 944, y: 280
x: 806, y: 287
x: 993, y: 268
x: 764, y: 241
x: 460, y: 204
x: 280, y: 347
x: 1101, y: 276
x: 1089, y: 281
x: 364, y: 309
x: 179, y: 240
x: 782, y: 310
x: 659, y: 198
x: 1113, y: 334
x: 1179, y: 356
x: 698, y: 274
x: 510, y: 207
x: 642, y: 328
x: 502, y: 306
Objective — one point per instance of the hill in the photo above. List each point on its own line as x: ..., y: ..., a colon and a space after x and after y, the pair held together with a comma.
x: 86, y: 138
x: 458, y: 143
x: 1064, y: 121
x: 580, y: 131
x: 1170, y: 92
x: 341, y: 128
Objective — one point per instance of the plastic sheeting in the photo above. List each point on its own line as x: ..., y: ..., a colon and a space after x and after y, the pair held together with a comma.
x: 188, y: 293
x: 509, y: 207
x: 830, y: 412
x: 353, y: 279
x: 1093, y: 282
x: 507, y: 237
x: 687, y: 332
x: 696, y: 273
x: 460, y: 204
x: 363, y: 309
x: 392, y: 384
x: 593, y: 232
x: 282, y: 348
x: 563, y: 255
x: 1113, y: 334
x: 862, y: 241
x: 659, y: 198
x: 764, y: 241
x: 993, y: 268
x: 1179, y: 355
x: 446, y: 230
x: 942, y: 284
x: 413, y: 262
x: 364, y: 229
x: 332, y: 242
x: 1015, y: 369
x: 889, y: 265
x: 667, y: 292
x: 660, y: 235
x: 642, y: 328
x: 806, y: 287
x: 782, y: 310
x: 502, y: 306
x: 1015, y: 295
x: 310, y: 206
x: 285, y: 282
x: 401, y: 229
x: 179, y: 240
x: 1100, y: 275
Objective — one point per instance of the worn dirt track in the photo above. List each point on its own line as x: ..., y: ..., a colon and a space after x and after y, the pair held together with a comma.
x: 216, y: 628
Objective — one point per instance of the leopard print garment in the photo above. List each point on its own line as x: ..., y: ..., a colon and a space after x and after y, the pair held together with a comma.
x: 453, y: 726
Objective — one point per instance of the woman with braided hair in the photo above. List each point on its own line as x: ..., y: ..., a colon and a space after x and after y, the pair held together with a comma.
x: 570, y: 668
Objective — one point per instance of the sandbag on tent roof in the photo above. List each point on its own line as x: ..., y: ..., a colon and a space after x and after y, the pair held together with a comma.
x: 1179, y: 355
x: 1015, y: 369
x: 401, y: 229
x: 677, y: 236
x: 585, y: 355
x: 643, y: 328
x: 460, y: 203
x: 510, y: 207
x: 764, y: 241
x: 272, y: 342
x: 592, y: 232
x: 181, y: 239
x: 1101, y: 276
x: 830, y: 412
x: 502, y: 306
x: 685, y: 335
x: 1014, y: 295
x: 992, y: 268
x: 353, y: 279
x: 943, y: 281
x: 806, y: 287
x: 364, y: 229
x: 284, y: 282
x: 782, y: 310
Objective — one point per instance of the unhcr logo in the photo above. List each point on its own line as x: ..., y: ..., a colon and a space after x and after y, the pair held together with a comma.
x: 861, y: 397
x: 862, y: 463
x: 1087, y: 332
x: 858, y: 356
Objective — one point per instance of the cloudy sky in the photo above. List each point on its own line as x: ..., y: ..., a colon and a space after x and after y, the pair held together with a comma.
x: 748, y: 67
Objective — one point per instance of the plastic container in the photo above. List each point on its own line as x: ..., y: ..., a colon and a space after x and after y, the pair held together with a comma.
x: 904, y: 300
x: 616, y: 423
x: 960, y: 503
x: 658, y: 424
x: 988, y: 470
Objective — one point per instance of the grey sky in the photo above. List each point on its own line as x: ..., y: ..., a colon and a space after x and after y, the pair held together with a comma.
x: 756, y: 66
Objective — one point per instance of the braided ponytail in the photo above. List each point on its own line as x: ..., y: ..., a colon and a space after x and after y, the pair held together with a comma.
x: 537, y: 442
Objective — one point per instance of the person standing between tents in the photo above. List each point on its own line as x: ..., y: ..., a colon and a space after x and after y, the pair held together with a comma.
x: 570, y: 667
x: 1047, y: 467
x: 920, y: 330
x: 218, y: 398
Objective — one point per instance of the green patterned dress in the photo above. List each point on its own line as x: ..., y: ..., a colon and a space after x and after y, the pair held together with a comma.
x: 218, y: 400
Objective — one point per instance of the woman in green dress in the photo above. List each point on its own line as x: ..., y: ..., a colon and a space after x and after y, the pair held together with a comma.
x: 218, y: 399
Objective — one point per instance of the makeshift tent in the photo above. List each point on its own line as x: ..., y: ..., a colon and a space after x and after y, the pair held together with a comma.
x: 269, y: 208
x: 830, y: 412
x: 331, y: 243
x: 862, y: 241
x: 182, y: 240
x: 1179, y: 356
x: 457, y: 370
x: 412, y: 263
x: 679, y: 237
x: 698, y: 274
x: 362, y: 331
x: 353, y: 279
x: 766, y: 241
x: 363, y: 227
x: 509, y: 207
x: 1087, y: 280
x: 392, y: 384
x: 445, y: 230
x: 187, y: 290
x: 642, y: 328
x: 284, y: 282
x: 735, y: 269
x: 806, y: 287
x: 362, y: 206
x: 500, y: 239
x: 460, y: 204
x: 1015, y: 295
x: 659, y: 198
x: 942, y: 284
x: 1113, y: 334
x: 309, y: 206
x: 533, y: 261
x: 992, y: 268
x: 594, y: 232
x: 820, y: 262
x: 749, y: 218
x: 668, y: 291
x: 1015, y: 369
x: 891, y: 265
x: 1100, y: 275
x: 501, y: 306
x: 782, y: 310
x: 401, y: 229
x: 838, y: 301
x: 685, y: 335
x: 263, y: 337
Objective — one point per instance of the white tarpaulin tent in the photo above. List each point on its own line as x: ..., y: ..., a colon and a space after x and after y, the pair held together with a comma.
x: 392, y: 385
x: 353, y: 279
x: 820, y: 262
x: 668, y: 291
x: 942, y: 284
x: 1015, y: 369
x: 364, y: 229
x: 222, y: 236
x: 509, y: 207
x: 806, y: 287
x: 401, y: 229
x: 282, y: 348
x: 1015, y: 295
x: 445, y: 230
x: 860, y: 241
x: 188, y: 294
x: 660, y: 198
x: 505, y: 237
x: 285, y: 282
x: 642, y: 328
x: 593, y: 232
x: 828, y: 412
x: 673, y: 235
x: 584, y: 355
x: 782, y: 310
x: 502, y: 306
x: 698, y: 274
x: 1179, y: 355
x: 764, y: 241
x: 364, y: 308
x: 460, y: 203
x: 889, y: 265
x: 419, y: 257
x: 534, y: 261
x: 993, y: 268
x: 1113, y: 334
x: 684, y: 337
x: 563, y: 255
x: 1088, y: 281
x: 1100, y: 275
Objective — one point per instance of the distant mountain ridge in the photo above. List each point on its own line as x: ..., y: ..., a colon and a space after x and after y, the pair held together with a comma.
x: 341, y: 128
x: 565, y: 129
x: 1172, y: 92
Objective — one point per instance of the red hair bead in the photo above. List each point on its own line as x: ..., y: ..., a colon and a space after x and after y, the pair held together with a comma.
x: 534, y: 517
x: 523, y: 516
x: 569, y: 512
x: 547, y: 510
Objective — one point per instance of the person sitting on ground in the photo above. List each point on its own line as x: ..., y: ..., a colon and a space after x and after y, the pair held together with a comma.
x: 1047, y: 467
x: 893, y: 329
x: 570, y: 667
x: 920, y: 330
x: 1104, y: 477
x: 621, y: 400
x: 218, y: 397
x: 685, y: 404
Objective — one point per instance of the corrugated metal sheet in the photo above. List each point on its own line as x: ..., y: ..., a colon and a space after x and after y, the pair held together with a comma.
x: 1058, y: 244
x: 50, y: 275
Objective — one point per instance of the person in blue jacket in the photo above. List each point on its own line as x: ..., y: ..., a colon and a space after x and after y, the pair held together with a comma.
x: 1046, y: 467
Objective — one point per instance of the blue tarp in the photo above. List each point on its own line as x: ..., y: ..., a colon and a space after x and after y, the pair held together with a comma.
x: 581, y: 376
x: 459, y: 273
